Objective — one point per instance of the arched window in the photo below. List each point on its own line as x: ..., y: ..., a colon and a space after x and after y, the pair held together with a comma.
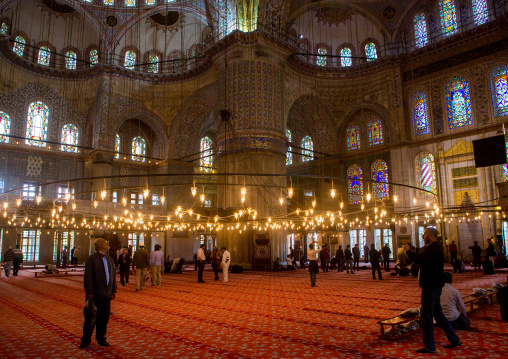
x: 94, y: 57
x: 130, y: 60
x: 321, y: 59
x: 499, y: 90
x: 138, y: 149
x: 355, y: 184
x: 370, y: 51
x: 37, y: 124
x: 448, y: 16
x: 109, y: 2
x: 353, y: 138
x: 420, y: 114
x: 19, y: 46
x: 70, y: 137
x: 5, y: 127
x: 44, y: 56
x: 480, y: 12
x: 70, y: 60
x: 153, y: 67
x: 308, y: 149
x: 503, y: 170
x: 206, y: 160
x: 4, y: 29
x: 458, y: 103
x: 375, y: 133
x: 379, y: 172
x: 345, y: 57
x: 426, y: 172
x: 130, y: 2
x: 117, y: 146
x: 150, y: 2
x: 421, y: 36
x: 289, y: 155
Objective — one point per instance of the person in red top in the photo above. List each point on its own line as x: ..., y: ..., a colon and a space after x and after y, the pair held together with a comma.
x: 325, y: 258
x: 452, y: 248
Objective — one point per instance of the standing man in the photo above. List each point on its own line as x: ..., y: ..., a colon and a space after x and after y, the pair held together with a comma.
x: 340, y: 258
x: 324, y: 255
x: 375, y: 257
x: 292, y: 253
x: 124, y: 264
x: 490, y: 252
x: 216, y: 259
x: 8, y: 260
x: 313, y: 253
x: 17, y: 260
x: 141, y: 263
x: 366, y: 253
x: 75, y: 255
x: 226, y: 261
x: 386, y: 257
x: 431, y: 261
x: 201, y: 260
x: 64, y: 257
x: 302, y: 259
x: 452, y: 248
x: 477, y: 255
x: 156, y: 263
x: 100, y: 287
x: 348, y: 257
x: 356, y: 257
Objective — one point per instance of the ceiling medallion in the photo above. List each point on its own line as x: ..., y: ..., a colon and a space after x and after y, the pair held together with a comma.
x: 57, y: 8
x: 333, y: 15
x: 111, y: 21
x: 389, y: 12
x: 170, y: 21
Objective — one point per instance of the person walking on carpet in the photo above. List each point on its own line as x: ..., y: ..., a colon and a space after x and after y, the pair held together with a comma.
x: 226, y: 261
x: 156, y: 263
x: 339, y: 255
x: 141, y: 264
x: 431, y: 261
x: 201, y: 260
x: 313, y: 254
x: 356, y: 257
x: 348, y: 257
x: 375, y: 257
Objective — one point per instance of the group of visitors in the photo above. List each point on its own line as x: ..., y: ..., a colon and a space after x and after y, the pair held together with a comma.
x: 12, y: 258
x: 219, y: 260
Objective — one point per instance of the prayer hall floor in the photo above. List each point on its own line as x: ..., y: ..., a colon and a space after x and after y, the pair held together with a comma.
x: 254, y: 315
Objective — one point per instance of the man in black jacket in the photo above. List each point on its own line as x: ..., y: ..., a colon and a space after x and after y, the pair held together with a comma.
x: 340, y: 258
x: 431, y: 261
x: 356, y: 257
x: 375, y: 257
x: 386, y: 257
x: 100, y: 287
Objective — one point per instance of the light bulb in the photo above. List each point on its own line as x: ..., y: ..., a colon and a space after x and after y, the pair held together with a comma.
x: 363, y: 207
x: 202, y: 197
x: 414, y: 200
x: 290, y: 192
x: 341, y: 205
x: 18, y: 202
x: 314, y: 203
x: 6, y: 205
x: 194, y: 190
x: 146, y: 192
x: 38, y: 199
x: 369, y: 196
x: 332, y: 192
x: 163, y: 200
x: 281, y: 201
x: 242, y: 199
x: 395, y: 198
x: 95, y: 204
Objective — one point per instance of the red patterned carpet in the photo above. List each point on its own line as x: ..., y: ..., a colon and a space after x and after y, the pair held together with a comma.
x: 255, y: 315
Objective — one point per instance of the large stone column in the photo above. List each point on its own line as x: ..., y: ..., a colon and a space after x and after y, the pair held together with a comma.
x: 253, y: 141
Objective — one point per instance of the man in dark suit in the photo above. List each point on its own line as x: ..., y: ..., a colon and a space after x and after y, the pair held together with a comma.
x: 100, y: 287
x: 356, y: 257
x: 386, y: 257
x: 375, y: 257
x: 431, y: 261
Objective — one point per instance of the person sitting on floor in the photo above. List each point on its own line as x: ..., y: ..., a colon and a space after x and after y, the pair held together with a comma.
x: 458, y: 265
x: 277, y: 267
x: 403, y: 263
x: 453, y: 305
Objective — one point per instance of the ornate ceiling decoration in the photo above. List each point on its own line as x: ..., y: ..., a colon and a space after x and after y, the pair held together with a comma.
x: 333, y: 15
x: 56, y: 8
x: 171, y: 21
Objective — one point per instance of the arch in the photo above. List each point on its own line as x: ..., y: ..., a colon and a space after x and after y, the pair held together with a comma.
x: 420, y: 113
x: 70, y: 59
x: 370, y: 49
x: 426, y: 172
x: 130, y: 58
x: 379, y: 173
x: 307, y: 149
x: 19, y: 46
x: 458, y: 103
x: 355, y: 184
x: 498, y: 79
x: 138, y: 149
x: 70, y: 138
x: 206, y: 154
x: 322, y: 50
x: 37, y: 124
x: 5, y: 127
x: 347, y: 53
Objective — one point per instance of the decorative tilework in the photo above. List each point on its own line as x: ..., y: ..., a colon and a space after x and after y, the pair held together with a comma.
x: 464, y: 171
x: 465, y: 183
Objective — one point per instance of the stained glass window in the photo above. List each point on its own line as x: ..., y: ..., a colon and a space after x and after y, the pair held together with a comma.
x: 503, y: 169
x: 130, y: 60
x: 420, y: 114
x: 480, y: 12
x: 426, y: 172
x: 153, y: 67
x: 375, y: 132
x: 109, y: 2
x: 345, y: 57
x: 308, y: 149
x: 448, y: 17
x: 70, y: 137
x: 353, y: 138
x: 94, y: 57
x: 130, y: 2
x: 150, y: 2
x: 379, y: 171
x: 70, y: 60
x: 117, y: 146
x: 321, y: 59
x: 44, y: 56
x: 138, y: 149
x: 458, y: 103
x: 355, y: 184
x: 370, y: 51
x: 30, y: 245
x: 19, y: 46
x: 37, y: 124
x: 499, y: 90
x: 289, y: 155
x: 421, y: 36
x: 206, y: 160
x: 5, y: 127
x: 4, y: 29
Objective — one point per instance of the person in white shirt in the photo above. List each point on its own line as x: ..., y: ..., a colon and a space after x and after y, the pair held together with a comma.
x: 290, y: 264
x: 313, y: 254
x: 201, y: 258
x: 226, y: 260
x: 453, y: 305
x: 156, y: 264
